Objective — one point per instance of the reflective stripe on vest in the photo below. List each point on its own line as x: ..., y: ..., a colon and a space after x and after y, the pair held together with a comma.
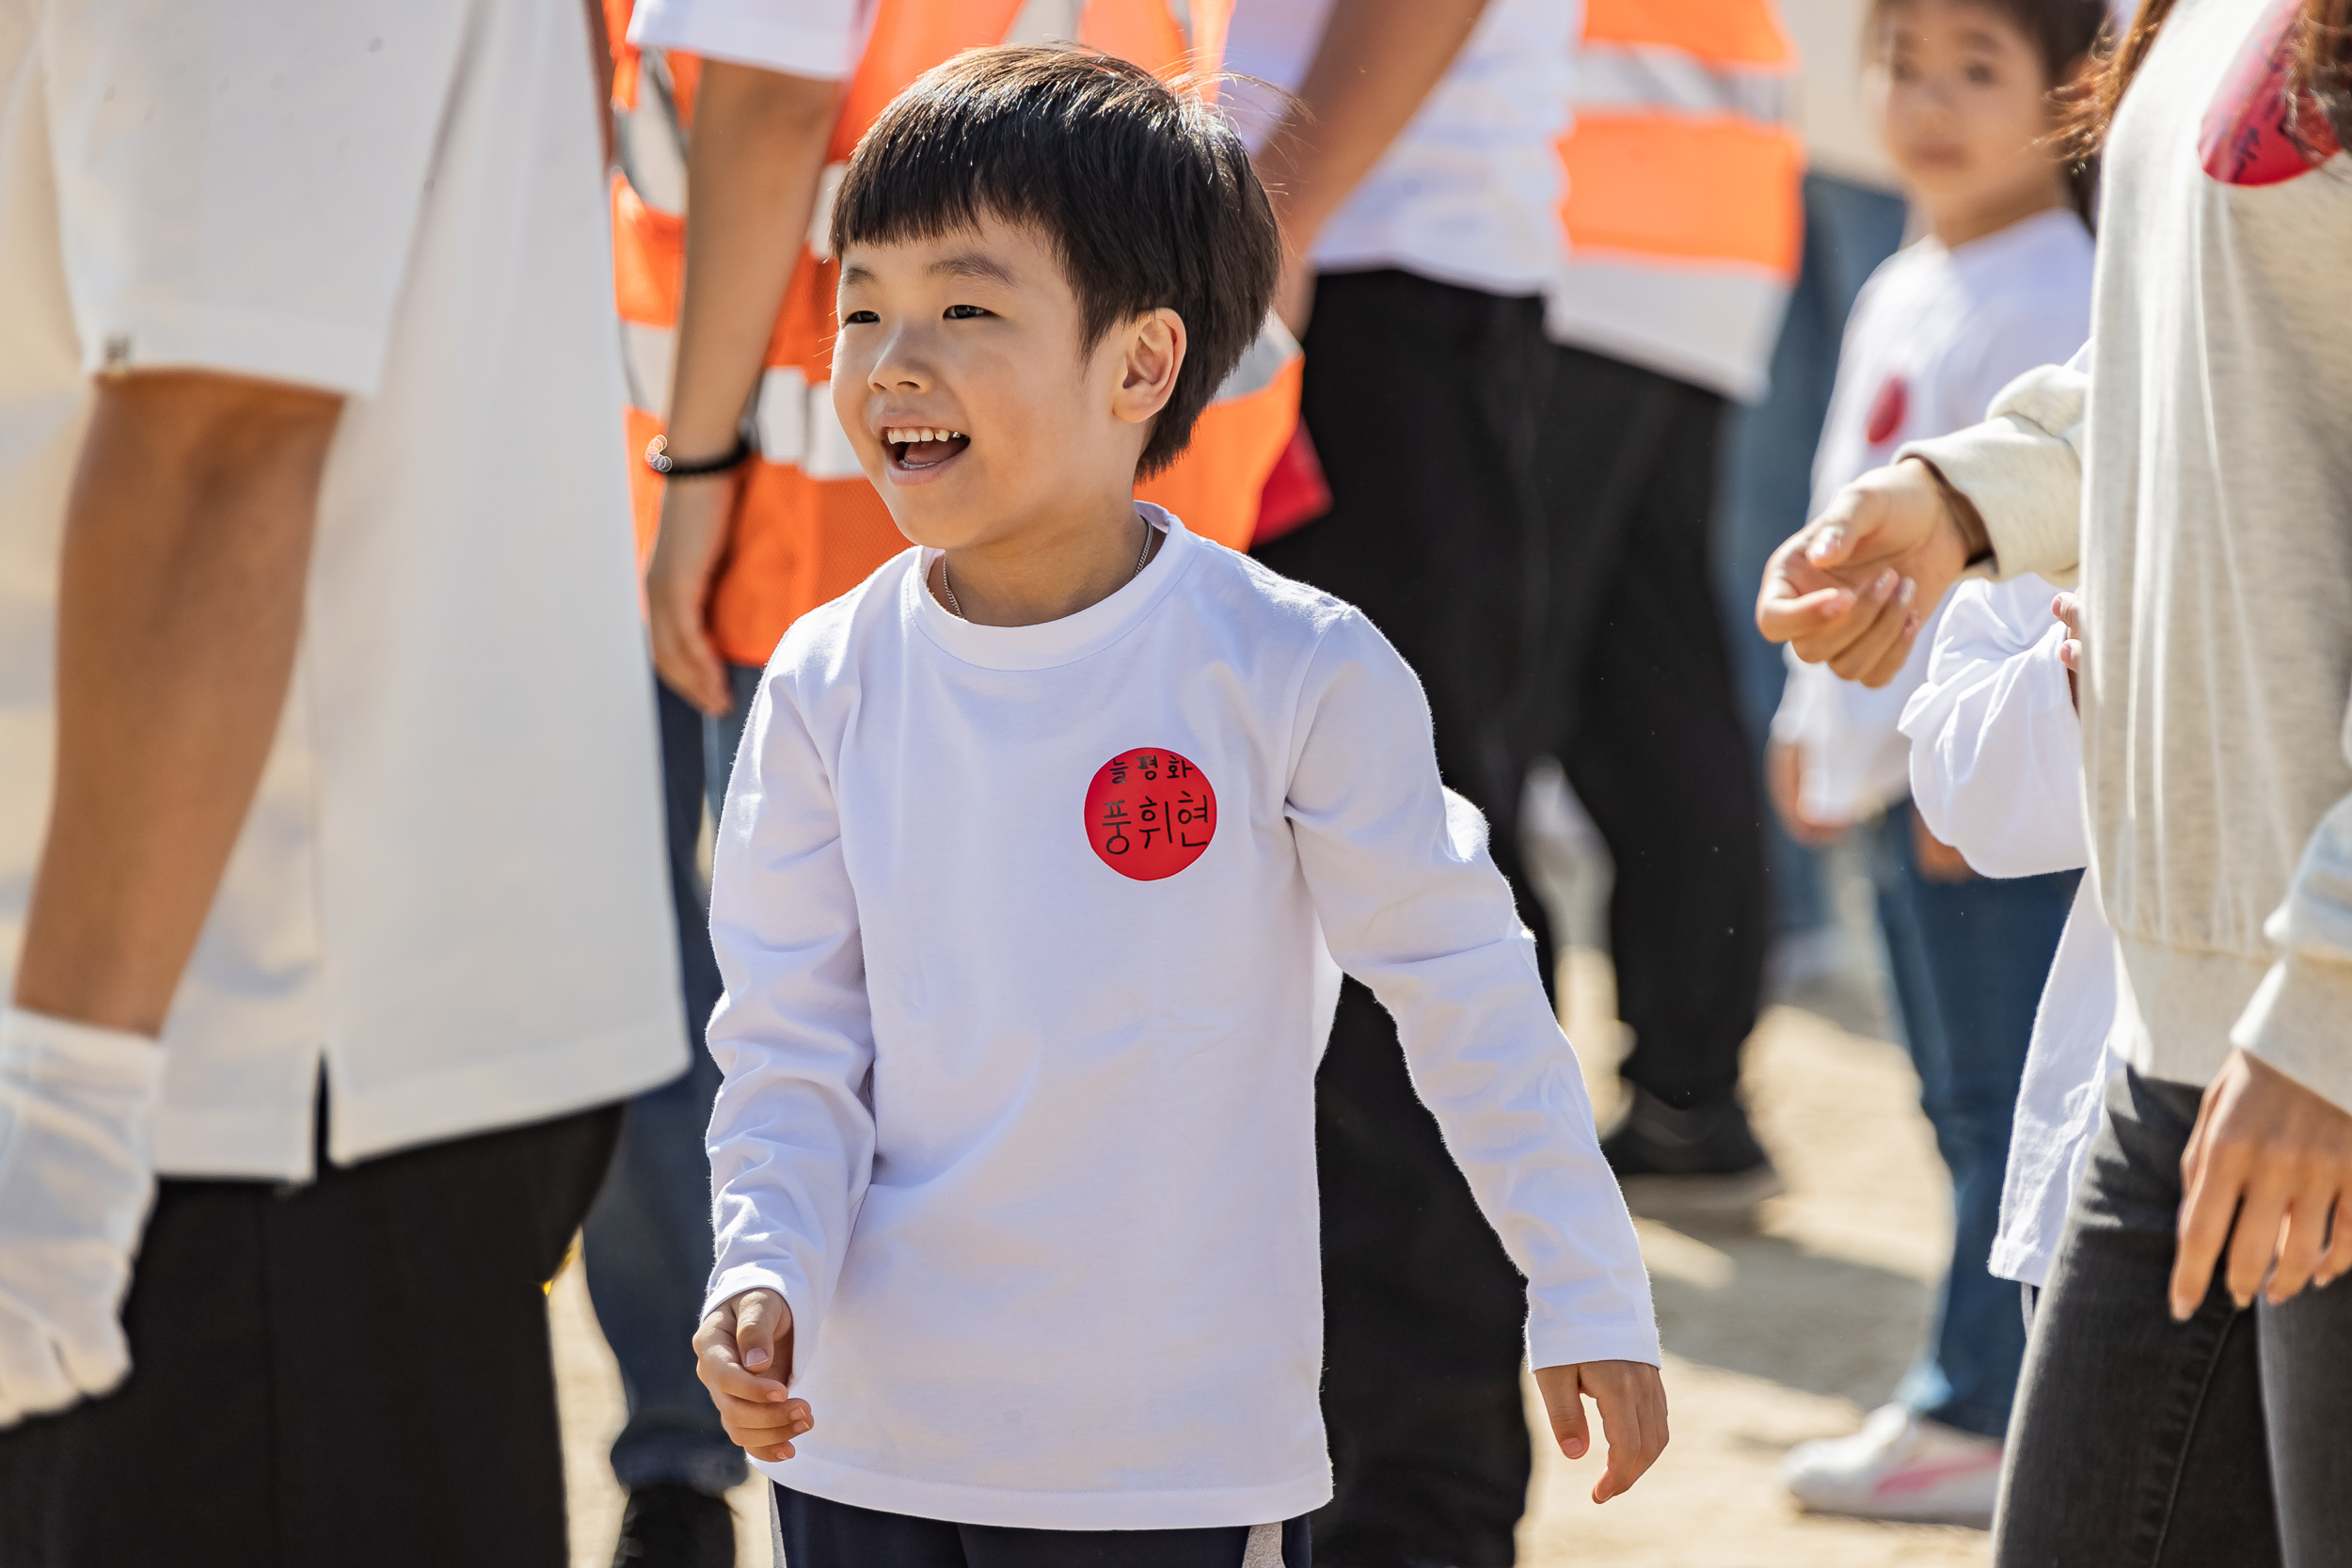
x: 809, y: 527
x: 1681, y: 146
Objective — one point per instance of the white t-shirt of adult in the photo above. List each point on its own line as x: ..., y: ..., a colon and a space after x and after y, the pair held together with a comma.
x: 1935, y: 334
x: 1996, y: 771
x: 1021, y: 929
x: 1470, y: 191
x: 450, y: 893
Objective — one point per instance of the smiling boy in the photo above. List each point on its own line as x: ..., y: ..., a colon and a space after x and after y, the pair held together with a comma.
x: 1032, y: 855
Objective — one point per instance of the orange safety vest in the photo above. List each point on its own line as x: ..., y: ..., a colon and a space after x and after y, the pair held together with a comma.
x: 808, y: 525
x: 1681, y: 161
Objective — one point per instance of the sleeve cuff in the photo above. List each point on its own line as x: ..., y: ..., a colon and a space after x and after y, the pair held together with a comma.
x: 1567, y: 1345
x: 2021, y: 469
x: 2296, y: 1022
x: 824, y: 50
x: 755, y: 1277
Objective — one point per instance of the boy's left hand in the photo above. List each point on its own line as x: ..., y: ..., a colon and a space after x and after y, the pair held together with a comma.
x: 743, y: 1353
x: 1633, y: 1403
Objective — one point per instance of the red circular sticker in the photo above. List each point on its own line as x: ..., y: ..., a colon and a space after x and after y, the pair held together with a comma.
x: 1149, y: 812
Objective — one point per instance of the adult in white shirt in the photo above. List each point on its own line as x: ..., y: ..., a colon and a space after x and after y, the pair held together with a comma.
x: 1424, y: 360
x: 346, y: 923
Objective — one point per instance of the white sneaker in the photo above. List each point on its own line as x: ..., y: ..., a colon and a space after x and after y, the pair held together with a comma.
x: 1899, y: 1465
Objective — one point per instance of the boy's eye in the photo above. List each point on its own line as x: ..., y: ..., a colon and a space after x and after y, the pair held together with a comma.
x: 860, y: 318
x: 1979, y: 75
x: 964, y: 313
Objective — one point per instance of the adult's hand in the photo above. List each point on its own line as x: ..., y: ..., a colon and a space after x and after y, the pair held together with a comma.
x: 2277, y: 1157
x: 678, y: 579
x: 1852, y: 587
x: 77, y: 1179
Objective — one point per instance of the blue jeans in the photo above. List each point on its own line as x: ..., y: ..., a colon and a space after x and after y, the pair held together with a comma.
x: 1969, y: 959
x: 1767, y: 477
x: 648, y: 1246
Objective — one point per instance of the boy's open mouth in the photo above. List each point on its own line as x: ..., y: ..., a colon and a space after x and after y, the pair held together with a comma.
x: 914, y: 448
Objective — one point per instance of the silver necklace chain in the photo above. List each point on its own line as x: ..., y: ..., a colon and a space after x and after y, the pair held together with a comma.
x: 949, y: 588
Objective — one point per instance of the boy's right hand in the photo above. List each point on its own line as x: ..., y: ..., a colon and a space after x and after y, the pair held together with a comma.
x: 743, y: 1354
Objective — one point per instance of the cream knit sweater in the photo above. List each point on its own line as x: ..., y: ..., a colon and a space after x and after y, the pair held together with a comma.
x: 2199, y: 474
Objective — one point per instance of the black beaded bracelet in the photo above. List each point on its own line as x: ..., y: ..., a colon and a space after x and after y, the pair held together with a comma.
x: 658, y: 458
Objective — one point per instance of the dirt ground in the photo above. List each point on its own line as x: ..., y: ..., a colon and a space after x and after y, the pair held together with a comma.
x: 1788, y: 1330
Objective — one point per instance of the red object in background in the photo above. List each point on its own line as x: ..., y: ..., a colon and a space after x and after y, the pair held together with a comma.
x: 1149, y: 813
x: 1295, y: 492
x: 2252, y: 134
x: 1887, y: 412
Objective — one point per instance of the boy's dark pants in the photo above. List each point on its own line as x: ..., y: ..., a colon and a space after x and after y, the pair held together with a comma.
x: 342, y: 1374
x: 813, y: 1532
x: 1422, y: 400
x: 2143, y: 1443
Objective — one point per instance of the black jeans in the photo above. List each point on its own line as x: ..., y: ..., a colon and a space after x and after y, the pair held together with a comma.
x: 349, y: 1374
x: 1422, y: 400
x: 1630, y: 685
x: 2224, y: 1442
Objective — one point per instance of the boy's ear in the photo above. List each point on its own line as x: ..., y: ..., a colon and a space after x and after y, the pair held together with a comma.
x: 1151, y: 352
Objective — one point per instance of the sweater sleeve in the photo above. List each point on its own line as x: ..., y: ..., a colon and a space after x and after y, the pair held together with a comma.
x: 791, y: 1134
x: 2023, y: 468
x: 1996, y: 745
x: 2301, y: 1018
x: 1411, y: 905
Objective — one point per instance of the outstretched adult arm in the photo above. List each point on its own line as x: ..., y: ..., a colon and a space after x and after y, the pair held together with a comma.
x: 753, y: 167
x: 187, y: 540
x: 1377, y: 61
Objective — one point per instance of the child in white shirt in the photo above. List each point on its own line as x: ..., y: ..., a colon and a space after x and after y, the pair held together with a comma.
x: 1997, y: 773
x: 1022, y: 894
x: 1999, y: 284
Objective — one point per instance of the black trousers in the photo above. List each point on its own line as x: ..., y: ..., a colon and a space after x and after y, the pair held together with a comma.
x: 814, y: 1532
x: 1422, y: 401
x: 1630, y: 687
x: 2142, y: 1442
x: 342, y: 1374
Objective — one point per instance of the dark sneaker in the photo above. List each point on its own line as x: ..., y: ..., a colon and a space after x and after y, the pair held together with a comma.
x: 1700, y: 1161
x: 673, y: 1526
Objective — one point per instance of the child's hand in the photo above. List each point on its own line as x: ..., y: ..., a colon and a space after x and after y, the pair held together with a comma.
x: 2068, y: 608
x: 1784, y: 778
x: 1633, y: 1403
x: 743, y: 1354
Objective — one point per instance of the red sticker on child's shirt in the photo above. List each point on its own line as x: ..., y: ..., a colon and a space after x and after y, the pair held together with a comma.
x: 1887, y: 411
x: 1149, y: 812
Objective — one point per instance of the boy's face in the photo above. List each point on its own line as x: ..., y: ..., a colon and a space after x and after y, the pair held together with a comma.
x: 973, y: 337
x: 1960, y: 102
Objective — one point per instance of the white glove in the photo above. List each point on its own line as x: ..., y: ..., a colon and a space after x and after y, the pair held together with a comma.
x: 76, y: 1179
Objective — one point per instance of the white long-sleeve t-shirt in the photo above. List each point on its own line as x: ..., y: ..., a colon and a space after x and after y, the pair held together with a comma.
x: 1021, y: 929
x: 1996, y: 771
x: 1936, y: 332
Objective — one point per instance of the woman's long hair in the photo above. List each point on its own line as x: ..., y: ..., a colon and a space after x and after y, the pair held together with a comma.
x: 2320, y: 72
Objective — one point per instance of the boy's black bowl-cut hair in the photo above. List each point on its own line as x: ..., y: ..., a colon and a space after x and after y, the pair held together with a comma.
x: 1142, y: 189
